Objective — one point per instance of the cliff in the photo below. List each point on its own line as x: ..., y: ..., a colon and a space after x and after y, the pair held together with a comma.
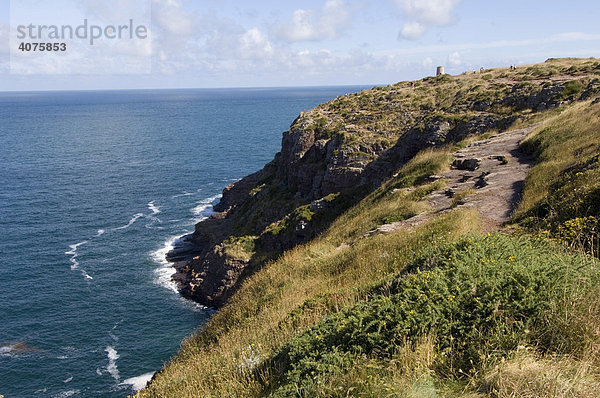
x: 435, y: 239
x: 336, y: 153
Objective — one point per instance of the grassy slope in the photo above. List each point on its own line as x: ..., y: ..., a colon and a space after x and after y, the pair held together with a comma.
x: 562, y: 195
x: 348, y: 316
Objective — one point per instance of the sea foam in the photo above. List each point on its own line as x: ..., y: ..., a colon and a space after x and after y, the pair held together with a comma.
x: 73, y: 259
x: 139, y: 382
x: 165, y: 272
x: 6, y: 350
x: 112, y: 362
x: 131, y: 221
x: 153, y: 208
x: 204, y: 208
x: 66, y: 394
x: 181, y: 195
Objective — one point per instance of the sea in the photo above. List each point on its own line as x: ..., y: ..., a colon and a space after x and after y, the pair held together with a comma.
x: 95, y: 186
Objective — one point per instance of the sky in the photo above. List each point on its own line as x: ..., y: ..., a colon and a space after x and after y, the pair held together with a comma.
x: 268, y: 43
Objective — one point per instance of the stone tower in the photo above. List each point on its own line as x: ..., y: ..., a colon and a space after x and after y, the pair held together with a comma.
x: 440, y: 71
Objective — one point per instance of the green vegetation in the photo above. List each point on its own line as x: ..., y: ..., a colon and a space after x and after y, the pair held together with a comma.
x: 562, y: 192
x: 458, y: 198
x: 481, y: 298
x: 291, y: 294
x: 572, y: 89
x: 240, y: 248
x: 441, y: 309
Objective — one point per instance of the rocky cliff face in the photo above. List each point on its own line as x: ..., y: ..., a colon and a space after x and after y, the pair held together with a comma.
x: 333, y: 154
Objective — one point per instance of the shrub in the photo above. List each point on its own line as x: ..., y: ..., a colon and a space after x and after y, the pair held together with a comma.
x: 240, y: 247
x: 571, y: 89
x: 482, y: 297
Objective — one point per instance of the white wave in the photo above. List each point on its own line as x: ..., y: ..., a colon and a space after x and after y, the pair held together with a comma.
x: 152, y: 217
x: 182, y: 195
x: 139, y: 382
x: 62, y: 357
x: 66, y: 394
x: 195, y: 307
x: 150, y: 226
x: 41, y: 390
x: 160, y: 255
x: 112, y: 362
x: 74, y: 263
x: 165, y: 272
x: 204, y: 209
x: 68, y: 380
x: 6, y: 350
x: 98, y: 371
x: 131, y: 221
x: 74, y: 247
x: 153, y: 208
x: 100, y: 233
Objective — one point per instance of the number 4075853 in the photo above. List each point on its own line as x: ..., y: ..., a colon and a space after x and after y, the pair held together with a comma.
x: 43, y: 47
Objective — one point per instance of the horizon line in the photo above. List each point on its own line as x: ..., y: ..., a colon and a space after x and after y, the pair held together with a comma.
x: 193, y: 88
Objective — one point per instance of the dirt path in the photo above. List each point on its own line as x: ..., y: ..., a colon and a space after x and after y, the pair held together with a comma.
x: 487, y: 175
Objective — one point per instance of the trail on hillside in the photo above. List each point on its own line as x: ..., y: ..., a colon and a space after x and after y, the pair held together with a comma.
x: 487, y: 175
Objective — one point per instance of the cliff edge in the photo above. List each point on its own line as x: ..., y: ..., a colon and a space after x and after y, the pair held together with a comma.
x: 458, y: 223
x: 335, y: 154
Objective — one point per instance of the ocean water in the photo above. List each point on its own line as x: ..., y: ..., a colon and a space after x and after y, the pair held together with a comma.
x: 94, y: 187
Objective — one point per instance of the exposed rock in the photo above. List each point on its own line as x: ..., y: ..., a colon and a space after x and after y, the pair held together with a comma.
x: 503, y: 159
x: 17, y: 348
x: 466, y: 164
x: 481, y: 180
x: 497, y: 185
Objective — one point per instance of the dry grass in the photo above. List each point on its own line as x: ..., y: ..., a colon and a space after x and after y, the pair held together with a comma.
x: 572, y: 326
x: 531, y: 376
x: 407, y: 374
x: 559, y: 142
x: 318, y: 277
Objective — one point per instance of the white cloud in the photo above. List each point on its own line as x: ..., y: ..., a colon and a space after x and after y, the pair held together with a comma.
x: 171, y: 18
x: 412, y: 30
x: 174, y: 30
x: 4, y: 38
x: 316, y: 24
x: 454, y: 59
x: 103, y: 57
x: 425, y: 13
x: 558, y: 38
x: 223, y: 39
x: 575, y: 36
x: 109, y: 12
x: 253, y: 44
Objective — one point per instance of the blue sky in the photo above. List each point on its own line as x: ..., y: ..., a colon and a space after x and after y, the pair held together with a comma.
x: 230, y: 43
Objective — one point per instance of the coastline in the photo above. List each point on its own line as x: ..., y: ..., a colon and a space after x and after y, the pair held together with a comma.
x: 183, y: 251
